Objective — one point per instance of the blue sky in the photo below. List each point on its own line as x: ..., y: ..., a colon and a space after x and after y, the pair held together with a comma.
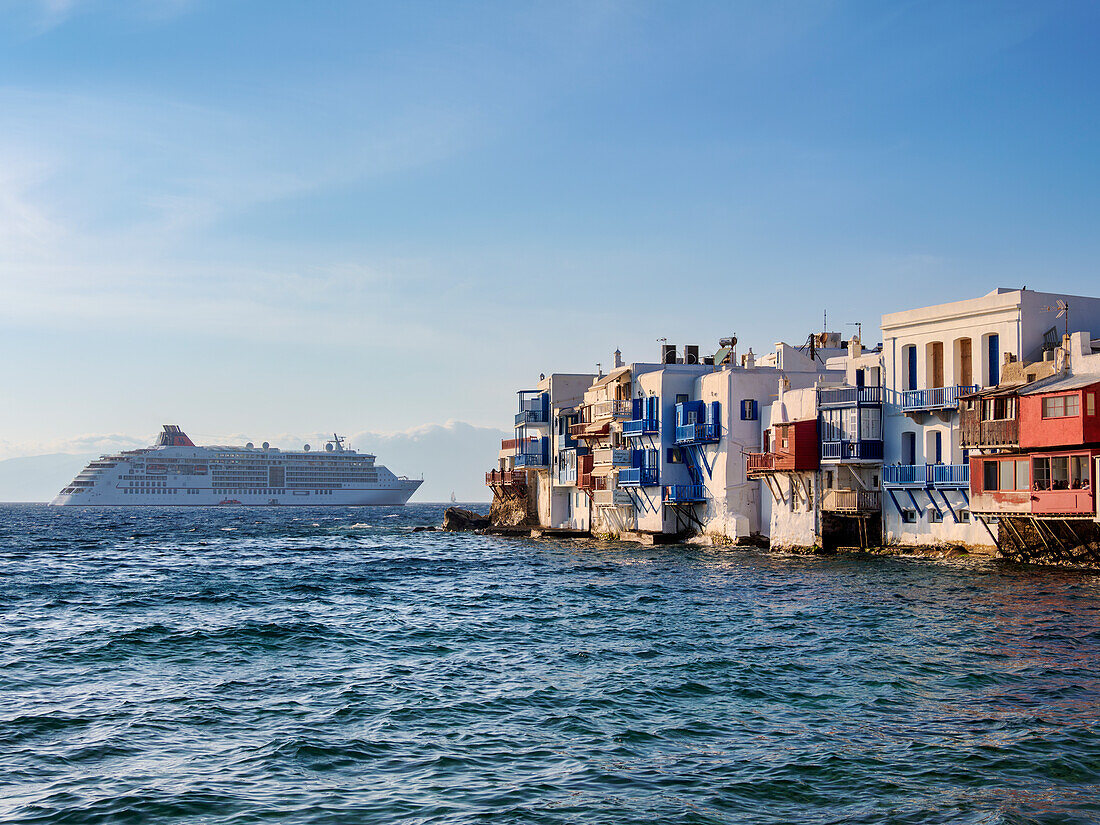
x: 268, y: 217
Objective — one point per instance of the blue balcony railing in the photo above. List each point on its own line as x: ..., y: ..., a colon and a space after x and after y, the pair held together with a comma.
x: 926, y: 475
x: 864, y: 450
x: 848, y: 396
x: 638, y: 477
x: 531, y: 417
x: 530, y: 460
x: 950, y: 475
x: 905, y: 475
x: 684, y: 493
x: 938, y: 398
x: 697, y: 433
x: 641, y: 426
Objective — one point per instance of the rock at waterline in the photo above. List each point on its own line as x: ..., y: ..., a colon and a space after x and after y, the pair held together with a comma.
x: 458, y: 518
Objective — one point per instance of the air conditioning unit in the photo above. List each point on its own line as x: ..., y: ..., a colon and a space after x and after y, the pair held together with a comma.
x: 668, y: 353
x: 691, y: 354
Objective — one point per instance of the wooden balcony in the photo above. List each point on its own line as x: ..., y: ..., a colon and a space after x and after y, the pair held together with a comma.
x: 609, y: 457
x: 506, y: 478
x: 973, y: 432
x: 852, y: 501
x: 756, y: 463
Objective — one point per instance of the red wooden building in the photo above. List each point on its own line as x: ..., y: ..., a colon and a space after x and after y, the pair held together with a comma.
x: 1039, y: 483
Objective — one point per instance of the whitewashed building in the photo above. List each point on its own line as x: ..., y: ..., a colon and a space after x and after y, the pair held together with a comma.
x: 932, y: 357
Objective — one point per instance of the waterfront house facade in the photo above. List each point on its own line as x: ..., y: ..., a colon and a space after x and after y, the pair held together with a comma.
x: 1035, y: 458
x: 526, y: 481
x: 828, y: 444
x: 932, y: 358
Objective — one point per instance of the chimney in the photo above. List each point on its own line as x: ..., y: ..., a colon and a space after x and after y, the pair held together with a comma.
x: 855, y: 347
x: 618, y: 359
x: 750, y: 359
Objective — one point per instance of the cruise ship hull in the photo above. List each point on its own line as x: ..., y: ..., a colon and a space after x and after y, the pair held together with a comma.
x: 391, y: 497
x: 176, y: 473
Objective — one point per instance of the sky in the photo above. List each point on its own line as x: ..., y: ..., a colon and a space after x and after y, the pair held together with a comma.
x: 265, y: 218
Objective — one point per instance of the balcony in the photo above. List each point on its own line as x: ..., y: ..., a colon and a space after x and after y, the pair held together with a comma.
x: 869, y: 450
x: 531, y: 417
x: 531, y: 460
x: 698, y: 434
x: 951, y: 475
x: 611, y: 498
x: 510, y: 445
x: 973, y: 432
x: 641, y: 426
x: 684, y: 493
x: 945, y: 476
x: 759, y: 463
x: 609, y: 457
x: 505, y: 478
x: 848, y: 396
x: 609, y: 409
x: 852, y: 501
x: 938, y: 398
x: 639, y: 477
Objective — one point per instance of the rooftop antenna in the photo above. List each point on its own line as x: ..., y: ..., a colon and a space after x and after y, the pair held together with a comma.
x: 824, y: 320
x: 1063, y: 311
x: 859, y: 329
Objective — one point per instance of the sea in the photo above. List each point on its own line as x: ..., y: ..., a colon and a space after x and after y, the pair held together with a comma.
x: 287, y: 665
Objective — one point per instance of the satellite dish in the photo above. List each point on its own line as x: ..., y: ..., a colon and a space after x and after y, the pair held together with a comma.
x: 249, y: 445
x: 306, y: 448
x: 266, y: 445
x: 328, y: 447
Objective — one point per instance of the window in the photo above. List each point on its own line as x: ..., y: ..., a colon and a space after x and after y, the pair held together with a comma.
x: 828, y: 479
x: 998, y: 409
x: 1021, y: 474
x: 870, y: 422
x: 1090, y: 403
x: 909, y: 516
x: 910, y: 356
x: 909, y: 448
x: 674, y: 456
x: 748, y: 409
x: 964, y: 515
x: 935, y: 516
x: 1079, y: 472
x: 990, y: 480
x: 1061, y: 406
x: 681, y: 398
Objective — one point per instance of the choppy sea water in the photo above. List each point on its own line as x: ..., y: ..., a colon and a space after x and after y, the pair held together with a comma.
x: 333, y: 666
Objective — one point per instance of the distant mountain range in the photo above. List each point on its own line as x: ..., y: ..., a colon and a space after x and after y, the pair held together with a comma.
x: 452, y: 457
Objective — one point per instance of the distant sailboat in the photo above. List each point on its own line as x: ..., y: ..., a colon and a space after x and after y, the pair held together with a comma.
x: 453, y: 499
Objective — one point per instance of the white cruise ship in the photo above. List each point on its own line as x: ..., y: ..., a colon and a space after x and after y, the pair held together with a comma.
x: 176, y: 472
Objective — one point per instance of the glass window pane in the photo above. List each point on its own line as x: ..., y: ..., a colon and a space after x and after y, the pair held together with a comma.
x: 1021, y: 475
x: 1041, y: 474
x: 990, y: 473
x: 1059, y: 473
x: 1008, y: 475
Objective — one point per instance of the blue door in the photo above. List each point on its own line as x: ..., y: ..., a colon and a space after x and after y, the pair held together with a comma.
x: 912, y: 369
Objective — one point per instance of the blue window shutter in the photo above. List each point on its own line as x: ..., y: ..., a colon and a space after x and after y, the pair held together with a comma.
x: 994, y: 359
x: 636, y: 408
